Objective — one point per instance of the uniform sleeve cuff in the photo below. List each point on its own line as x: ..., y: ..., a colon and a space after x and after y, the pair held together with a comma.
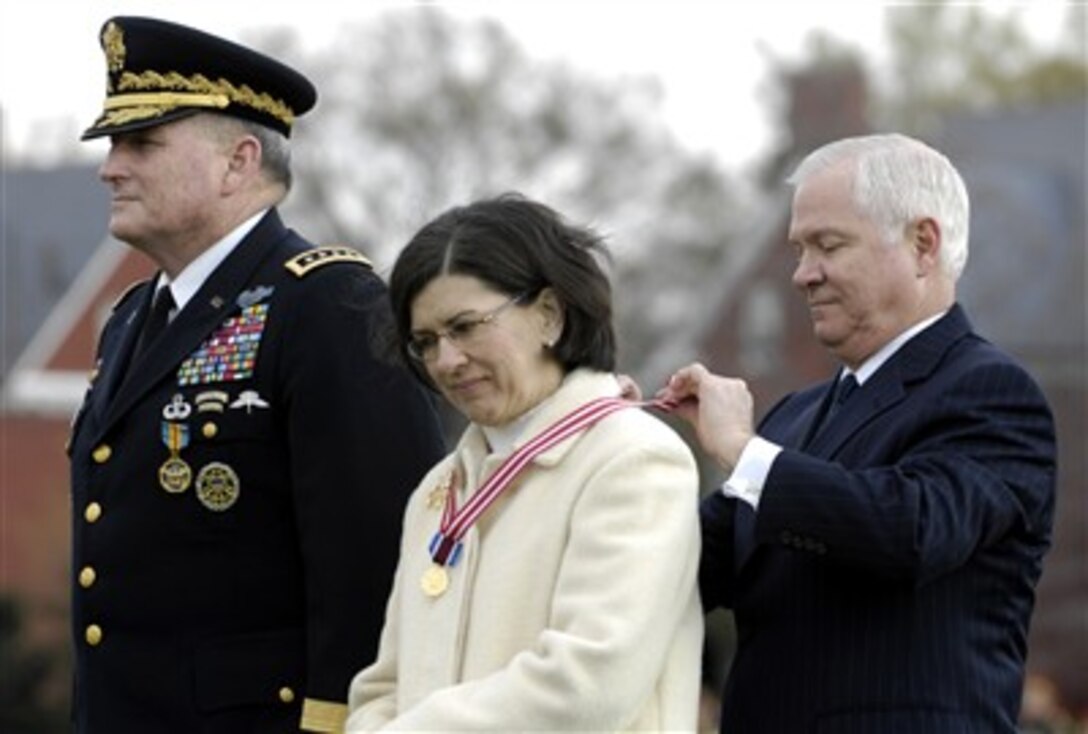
x: 323, y: 716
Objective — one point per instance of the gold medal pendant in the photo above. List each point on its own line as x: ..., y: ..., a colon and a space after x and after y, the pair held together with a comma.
x: 435, y: 581
x: 175, y: 475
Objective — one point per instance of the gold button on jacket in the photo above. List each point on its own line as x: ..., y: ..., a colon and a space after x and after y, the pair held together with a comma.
x: 93, y: 635
x: 93, y: 512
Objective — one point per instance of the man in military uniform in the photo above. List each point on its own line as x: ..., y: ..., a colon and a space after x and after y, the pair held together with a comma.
x: 241, y: 459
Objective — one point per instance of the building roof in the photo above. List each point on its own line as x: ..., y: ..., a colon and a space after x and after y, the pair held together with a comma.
x: 1024, y: 284
x: 62, y: 272
x: 52, y: 220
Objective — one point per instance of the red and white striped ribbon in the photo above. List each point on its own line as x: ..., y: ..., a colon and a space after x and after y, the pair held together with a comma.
x: 455, y: 523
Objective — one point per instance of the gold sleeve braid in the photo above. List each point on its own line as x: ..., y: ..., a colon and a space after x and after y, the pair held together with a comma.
x: 323, y: 716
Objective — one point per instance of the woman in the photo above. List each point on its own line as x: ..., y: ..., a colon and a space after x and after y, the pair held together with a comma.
x: 547, y: 573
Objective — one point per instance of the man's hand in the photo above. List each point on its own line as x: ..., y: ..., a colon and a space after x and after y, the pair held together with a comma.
x: 719, y: 408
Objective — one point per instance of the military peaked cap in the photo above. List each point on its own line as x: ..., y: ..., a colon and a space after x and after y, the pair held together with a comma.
x: 158, y: 71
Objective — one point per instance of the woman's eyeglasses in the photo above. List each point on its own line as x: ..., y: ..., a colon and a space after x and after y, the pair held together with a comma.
x: 461, y: 332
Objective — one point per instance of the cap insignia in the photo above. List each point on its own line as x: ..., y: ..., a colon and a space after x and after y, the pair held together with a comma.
x: 113, y: 41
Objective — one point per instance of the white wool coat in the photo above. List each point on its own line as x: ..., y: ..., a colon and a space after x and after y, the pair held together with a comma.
x: 573, y: 606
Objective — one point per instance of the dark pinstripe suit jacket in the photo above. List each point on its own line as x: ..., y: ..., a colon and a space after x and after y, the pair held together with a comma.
x: 896, y: 552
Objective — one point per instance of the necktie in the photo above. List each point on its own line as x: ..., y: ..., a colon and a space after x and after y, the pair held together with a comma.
x: 843, y: 390
x: 157, y: 319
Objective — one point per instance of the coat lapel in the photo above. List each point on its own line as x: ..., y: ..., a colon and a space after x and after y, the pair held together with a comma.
x: 578, y: 388
x: 814, y: 422
x: 212, y: 304
x: 124, y: 340
x: 890, y: 384
x: 118, y: 340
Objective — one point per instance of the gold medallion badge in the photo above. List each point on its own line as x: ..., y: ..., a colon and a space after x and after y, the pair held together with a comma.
x: 175, y: 475
x: 435, y: 581
x: 217, y: 486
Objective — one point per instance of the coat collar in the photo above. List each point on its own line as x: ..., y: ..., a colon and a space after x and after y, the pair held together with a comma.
x: 578, y: 387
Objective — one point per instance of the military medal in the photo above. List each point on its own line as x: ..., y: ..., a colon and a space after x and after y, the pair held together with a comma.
x: 174, y: 474
x: 217, y: 486
x: 435, y: 580
x: 445, y: 547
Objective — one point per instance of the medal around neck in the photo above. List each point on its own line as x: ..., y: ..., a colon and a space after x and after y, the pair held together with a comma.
x: 436, y: 578
x: 446, y: 544
x: 435, y: 581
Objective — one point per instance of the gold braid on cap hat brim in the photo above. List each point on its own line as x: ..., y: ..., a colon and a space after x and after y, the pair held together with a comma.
x: 194, y: 91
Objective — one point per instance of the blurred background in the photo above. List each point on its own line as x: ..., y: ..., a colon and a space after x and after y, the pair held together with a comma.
x: 668, y: 126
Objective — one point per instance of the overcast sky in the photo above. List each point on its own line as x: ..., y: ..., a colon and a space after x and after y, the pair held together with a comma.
x: 710, y: 55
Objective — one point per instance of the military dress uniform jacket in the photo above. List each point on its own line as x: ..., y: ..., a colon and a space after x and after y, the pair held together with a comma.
x: 237, y: 497
x: 573, y: 604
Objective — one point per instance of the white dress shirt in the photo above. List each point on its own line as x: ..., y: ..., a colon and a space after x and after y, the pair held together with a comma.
x: 189, y: 280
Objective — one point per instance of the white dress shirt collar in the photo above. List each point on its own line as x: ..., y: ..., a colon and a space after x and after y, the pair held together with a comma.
x: 871, y: 365
x: 189, y: 280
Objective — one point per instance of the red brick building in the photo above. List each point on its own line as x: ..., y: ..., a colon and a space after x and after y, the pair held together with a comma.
x: 39, y: 397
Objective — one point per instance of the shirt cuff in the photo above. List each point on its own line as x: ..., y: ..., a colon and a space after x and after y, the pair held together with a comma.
x: 750, y: 474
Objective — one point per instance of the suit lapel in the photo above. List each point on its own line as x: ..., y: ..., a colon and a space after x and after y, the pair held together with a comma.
x: 882, y: 392
x: 814, y: 423
x: 212, y: 304
x: 890, y: 385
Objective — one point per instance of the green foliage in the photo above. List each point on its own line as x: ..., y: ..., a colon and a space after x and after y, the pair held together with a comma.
x: 952, y: 58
